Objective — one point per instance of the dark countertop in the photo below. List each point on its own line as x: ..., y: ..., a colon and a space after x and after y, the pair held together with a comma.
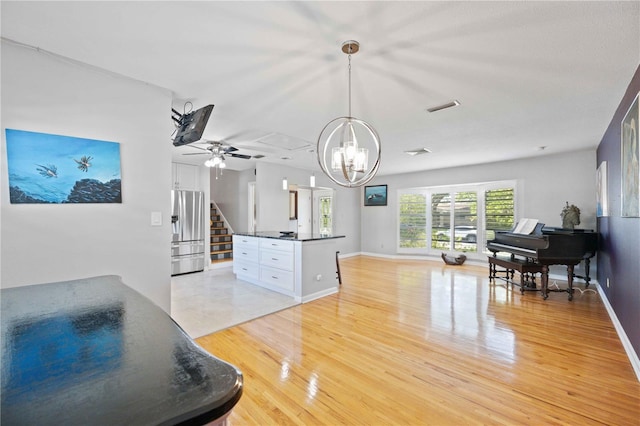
x: 94, y: 351
x: 291, y: 237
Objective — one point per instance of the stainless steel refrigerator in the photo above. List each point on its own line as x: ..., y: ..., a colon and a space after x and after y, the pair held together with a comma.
x: 187, y: 222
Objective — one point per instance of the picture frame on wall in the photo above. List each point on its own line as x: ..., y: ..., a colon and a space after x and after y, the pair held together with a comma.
x: 54, y: 169
x: 630, y: 179
x: 375, y: 195
x: 602, y: 191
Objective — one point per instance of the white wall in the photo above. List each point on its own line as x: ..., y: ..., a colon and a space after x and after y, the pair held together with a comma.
x: 49, y: 243
x: 273, y: 203
x: 546, y: 183
x: 230, y: 193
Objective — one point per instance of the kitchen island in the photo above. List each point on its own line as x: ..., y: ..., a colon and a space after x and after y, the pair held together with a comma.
x: 299, y: 265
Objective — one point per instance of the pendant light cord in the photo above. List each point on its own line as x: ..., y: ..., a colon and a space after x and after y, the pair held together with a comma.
x: 349, y: 83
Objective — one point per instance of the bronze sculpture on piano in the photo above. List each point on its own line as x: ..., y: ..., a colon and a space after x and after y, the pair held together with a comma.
x: 570, y: 216
x: 550, y: 246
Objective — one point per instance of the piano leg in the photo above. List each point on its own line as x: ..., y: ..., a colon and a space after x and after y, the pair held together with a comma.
x: 586, y: 278
x: 587, y: 265
x: 570, y: 281
x: 544, y: 278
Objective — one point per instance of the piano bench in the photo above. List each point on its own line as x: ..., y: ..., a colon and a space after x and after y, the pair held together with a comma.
x: 526, y: 269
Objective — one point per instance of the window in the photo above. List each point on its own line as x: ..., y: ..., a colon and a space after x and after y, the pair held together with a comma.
x: 499, y: 211
x: 460, y: 218
x: 413, y: 220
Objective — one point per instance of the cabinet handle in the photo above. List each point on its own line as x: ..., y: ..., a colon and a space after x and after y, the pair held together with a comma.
x: 273, y: 258
x: 244, y: 253
x: 244, y: 269
x: 275, y: 278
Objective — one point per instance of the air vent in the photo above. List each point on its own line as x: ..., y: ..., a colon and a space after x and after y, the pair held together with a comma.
x: 418, y: 151
x: 258, y: 156
x: 443, y: 106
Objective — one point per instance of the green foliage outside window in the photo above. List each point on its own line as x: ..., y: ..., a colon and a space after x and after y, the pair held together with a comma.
x: 499, y: 206
x: 413, y: 220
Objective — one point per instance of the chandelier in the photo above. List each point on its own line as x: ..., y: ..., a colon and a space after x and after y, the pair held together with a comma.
x: 345, y: 142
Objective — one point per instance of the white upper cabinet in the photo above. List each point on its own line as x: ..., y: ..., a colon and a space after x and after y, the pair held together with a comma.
x: 185, y: 177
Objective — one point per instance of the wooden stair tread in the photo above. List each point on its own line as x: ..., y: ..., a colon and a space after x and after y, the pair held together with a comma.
x: 222, y: 251
x: 220, y: 236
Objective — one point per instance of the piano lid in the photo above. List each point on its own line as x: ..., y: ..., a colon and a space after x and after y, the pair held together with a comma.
x: 551, y: 245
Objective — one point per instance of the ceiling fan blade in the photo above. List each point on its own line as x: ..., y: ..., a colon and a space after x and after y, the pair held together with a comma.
x: 230, y: 148
x: 197, y: 147
x: 246, y: 157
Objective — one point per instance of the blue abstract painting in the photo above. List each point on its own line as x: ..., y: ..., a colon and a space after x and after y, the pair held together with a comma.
x: 45, y: 168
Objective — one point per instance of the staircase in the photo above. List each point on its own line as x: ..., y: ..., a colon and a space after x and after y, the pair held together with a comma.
x: 221, y: 240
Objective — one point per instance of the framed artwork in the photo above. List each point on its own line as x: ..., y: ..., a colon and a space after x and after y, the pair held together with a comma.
x: 54, y: 169
x: 630, y: 179
x: 602, y: 191
x: 375, y: 195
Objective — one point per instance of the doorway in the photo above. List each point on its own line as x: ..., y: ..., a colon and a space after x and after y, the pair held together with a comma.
x: 251, y: 226
x: 304, y: 211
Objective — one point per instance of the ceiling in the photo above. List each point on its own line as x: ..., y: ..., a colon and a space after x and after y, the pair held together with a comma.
x: 532, y: 78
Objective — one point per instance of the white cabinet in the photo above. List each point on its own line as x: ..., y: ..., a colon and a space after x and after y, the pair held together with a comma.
x: 277, y: 263
x: 246, y: 257
x: 246, y: 269
x: 185, y: 177
x: 277, y: 278
x: 267, y: 262
x: 303, y: 269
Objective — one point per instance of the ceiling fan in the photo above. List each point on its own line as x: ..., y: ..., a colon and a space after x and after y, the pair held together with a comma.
x: 218, y: 150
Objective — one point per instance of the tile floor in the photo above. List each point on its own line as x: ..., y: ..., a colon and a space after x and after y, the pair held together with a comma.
x: 206, y: 302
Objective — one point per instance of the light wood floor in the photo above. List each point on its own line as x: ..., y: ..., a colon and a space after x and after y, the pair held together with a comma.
x: 420, y: 343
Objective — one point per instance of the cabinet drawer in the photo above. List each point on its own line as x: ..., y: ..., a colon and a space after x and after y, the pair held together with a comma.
x: 242, y: 241
x: 250, y: 270
x: 277, y: 259
x: 246, y: 254
x: 274, y: 244
x: 277, y: 277
x: 187, y: 248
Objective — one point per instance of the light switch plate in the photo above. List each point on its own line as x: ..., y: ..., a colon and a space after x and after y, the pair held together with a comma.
x: 156, y: 218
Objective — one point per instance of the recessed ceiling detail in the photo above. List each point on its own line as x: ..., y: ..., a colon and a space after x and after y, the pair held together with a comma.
x: 418, y: 151
x: 278, y: 140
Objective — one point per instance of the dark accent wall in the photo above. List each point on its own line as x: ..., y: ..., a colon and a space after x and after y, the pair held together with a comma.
x: 618, y: 255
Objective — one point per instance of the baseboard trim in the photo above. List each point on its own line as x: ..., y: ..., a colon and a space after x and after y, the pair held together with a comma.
x: 319, y: 294
x: 622, y: 335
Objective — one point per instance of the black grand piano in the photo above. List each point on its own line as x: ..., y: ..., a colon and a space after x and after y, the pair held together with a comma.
x: 550, y: 246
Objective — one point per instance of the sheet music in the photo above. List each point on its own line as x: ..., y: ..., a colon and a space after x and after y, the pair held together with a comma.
x: 525, y: 226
